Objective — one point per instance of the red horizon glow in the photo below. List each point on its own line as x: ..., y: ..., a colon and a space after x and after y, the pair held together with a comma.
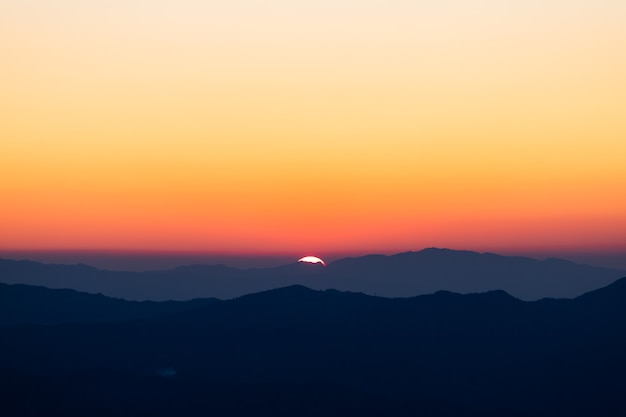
x: 159, y: 138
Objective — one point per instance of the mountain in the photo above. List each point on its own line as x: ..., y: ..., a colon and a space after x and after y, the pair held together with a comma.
x: 105, y: 393
x: 25, y: 304
x: 430, y: 270
x: 401, y: 275
x: 301, y: 351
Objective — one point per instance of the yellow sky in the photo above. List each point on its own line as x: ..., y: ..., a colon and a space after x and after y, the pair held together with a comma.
x: 326, y: 124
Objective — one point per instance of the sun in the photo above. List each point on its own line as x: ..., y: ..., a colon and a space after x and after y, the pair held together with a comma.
x: 312, y: 260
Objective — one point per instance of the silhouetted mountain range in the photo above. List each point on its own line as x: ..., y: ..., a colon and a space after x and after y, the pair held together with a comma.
x: 25, y: 304
x: 402, y: 275
x: 297, y: 351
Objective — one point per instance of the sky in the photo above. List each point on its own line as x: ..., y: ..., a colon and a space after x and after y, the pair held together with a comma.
x: 313, y: 127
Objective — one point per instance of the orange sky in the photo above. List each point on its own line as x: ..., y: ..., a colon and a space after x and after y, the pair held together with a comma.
x: 312, y: 126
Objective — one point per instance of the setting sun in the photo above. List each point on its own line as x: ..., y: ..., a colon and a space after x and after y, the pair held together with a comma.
x: 312, y: 260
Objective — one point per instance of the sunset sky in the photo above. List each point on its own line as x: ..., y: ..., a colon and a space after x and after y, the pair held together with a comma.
x: 312, y: 126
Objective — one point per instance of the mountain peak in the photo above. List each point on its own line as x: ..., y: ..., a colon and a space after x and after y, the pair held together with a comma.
x: 404, y: 275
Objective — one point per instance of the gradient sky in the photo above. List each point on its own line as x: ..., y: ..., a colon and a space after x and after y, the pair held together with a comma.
x: 312, y: 126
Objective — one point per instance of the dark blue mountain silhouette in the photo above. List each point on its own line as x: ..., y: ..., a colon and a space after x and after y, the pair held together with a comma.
x: 298, y: 350
x: 25, y: 304
x: 402, y: 275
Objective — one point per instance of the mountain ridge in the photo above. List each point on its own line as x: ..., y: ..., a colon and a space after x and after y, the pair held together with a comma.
x: 481, y: 351
x: 400, y: 275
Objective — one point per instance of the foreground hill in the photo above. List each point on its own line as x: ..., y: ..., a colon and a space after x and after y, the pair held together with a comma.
x: 25, y: 304
x: 298, y: 351
x: 402, y: 275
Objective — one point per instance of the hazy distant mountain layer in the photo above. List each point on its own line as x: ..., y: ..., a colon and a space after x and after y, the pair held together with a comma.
x: 299, y: 351
x: 402, y: 275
